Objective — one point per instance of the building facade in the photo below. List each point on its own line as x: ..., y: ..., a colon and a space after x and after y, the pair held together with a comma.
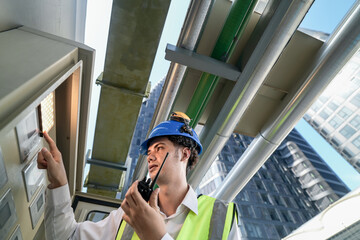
x: 336, y: 114
x: 293, y: 186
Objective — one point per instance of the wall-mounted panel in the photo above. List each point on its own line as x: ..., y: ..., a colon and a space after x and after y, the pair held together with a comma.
x: 3, y: 174
x: 16, y: 235
x: 8, y: 214
x: 27, y: 132
x: 37, y: 207
x: 33, y: 178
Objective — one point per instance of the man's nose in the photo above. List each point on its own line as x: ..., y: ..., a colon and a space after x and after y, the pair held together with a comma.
x: 150, y: 157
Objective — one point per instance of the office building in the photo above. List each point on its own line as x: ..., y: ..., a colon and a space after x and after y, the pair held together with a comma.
x: 336, y: 114
x: 293, y: 186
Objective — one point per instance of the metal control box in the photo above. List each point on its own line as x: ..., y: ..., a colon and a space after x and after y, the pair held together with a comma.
x: 28, y: 136
x: 33, y: 178
x: 3, y: 175
x: 37, y: 207
x: 16, y: 235
x: 8, y: 214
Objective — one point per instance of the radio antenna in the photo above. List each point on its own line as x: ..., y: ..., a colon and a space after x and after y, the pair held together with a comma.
x: 157, y: 175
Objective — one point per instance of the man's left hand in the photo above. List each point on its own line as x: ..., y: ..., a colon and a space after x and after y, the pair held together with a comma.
x: 145, y: 218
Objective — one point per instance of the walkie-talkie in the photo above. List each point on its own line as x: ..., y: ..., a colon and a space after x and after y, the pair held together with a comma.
x: 144, y: 186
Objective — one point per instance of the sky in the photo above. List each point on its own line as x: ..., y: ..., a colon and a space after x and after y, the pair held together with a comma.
x: 324, y: 16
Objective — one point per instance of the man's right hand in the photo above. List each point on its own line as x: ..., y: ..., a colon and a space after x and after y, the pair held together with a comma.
x: 52, y: 161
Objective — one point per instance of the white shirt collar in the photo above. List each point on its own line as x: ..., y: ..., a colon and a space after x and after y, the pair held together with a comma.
x: 190, y: 200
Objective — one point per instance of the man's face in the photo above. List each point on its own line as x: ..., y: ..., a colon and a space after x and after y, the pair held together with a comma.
x: 156, y: 154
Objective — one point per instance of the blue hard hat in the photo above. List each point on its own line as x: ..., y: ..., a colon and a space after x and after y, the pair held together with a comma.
x: 171, y: 128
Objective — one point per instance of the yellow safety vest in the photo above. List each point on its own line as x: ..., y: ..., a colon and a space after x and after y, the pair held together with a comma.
x: 214, y: 221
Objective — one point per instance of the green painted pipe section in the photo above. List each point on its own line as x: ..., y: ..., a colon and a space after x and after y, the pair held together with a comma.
x: 234, y: 27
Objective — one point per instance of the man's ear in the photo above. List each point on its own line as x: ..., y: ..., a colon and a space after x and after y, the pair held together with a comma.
x: 186, y: 153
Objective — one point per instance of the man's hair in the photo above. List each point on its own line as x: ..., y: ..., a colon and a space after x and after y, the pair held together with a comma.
x: 189, y: 143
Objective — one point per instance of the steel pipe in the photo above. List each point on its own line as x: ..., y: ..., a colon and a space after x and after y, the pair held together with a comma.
x: 281, y: 27
x: 188, y: 39
x: 232, y: 31
x: 332, y: 56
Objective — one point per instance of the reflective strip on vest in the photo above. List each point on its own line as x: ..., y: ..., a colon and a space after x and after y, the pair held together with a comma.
x: 126, y: 232
x: 213, y: 222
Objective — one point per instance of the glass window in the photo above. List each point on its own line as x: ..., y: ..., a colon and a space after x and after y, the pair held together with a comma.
x: 316, y: 106
x: 325, y: 113
x: 264, y: 175
x: 335, y: 142
x: 323, y: 98
x: 271, y: 187
x: 347, y: 131
x: 281, y: 231
x: 271, y: 232
x: 228, y: 158
x: 348, y: 153
x: 263, y: 213
x: 338, y: 187
x: 307, y: 202
x: 279, y: 200
x: 256, y: 197
x: 247, y: 211
x: 315, y: 123
x: 265, y: 198
x: 286, y: 188
x: 280, y: 188
x: 356, y: 142
x: 324, y: 132
x: 333, y: 105
x: 356, y: 100
x: 259, y: 185
x: 335, y: 122
x: 96, y: 216
x: 273, y: 215
x: 355, y: 122
x: 329, y: 176
x: 254, y: 230
x: 345, y: 112
x: 358, y: 163
x: 287, y: 202
x: 286, y: 216
x: 243, y: 196
x: 296, y: 217
x: 218, y: 181
x: 307, y: 117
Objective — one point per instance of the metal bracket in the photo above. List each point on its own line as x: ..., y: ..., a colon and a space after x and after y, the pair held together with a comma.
x: 103, y: 163
x: 201, y: 62
x: 104, y: 83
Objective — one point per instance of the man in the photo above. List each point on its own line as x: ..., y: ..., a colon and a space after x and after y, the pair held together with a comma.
x: 173, y: 211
